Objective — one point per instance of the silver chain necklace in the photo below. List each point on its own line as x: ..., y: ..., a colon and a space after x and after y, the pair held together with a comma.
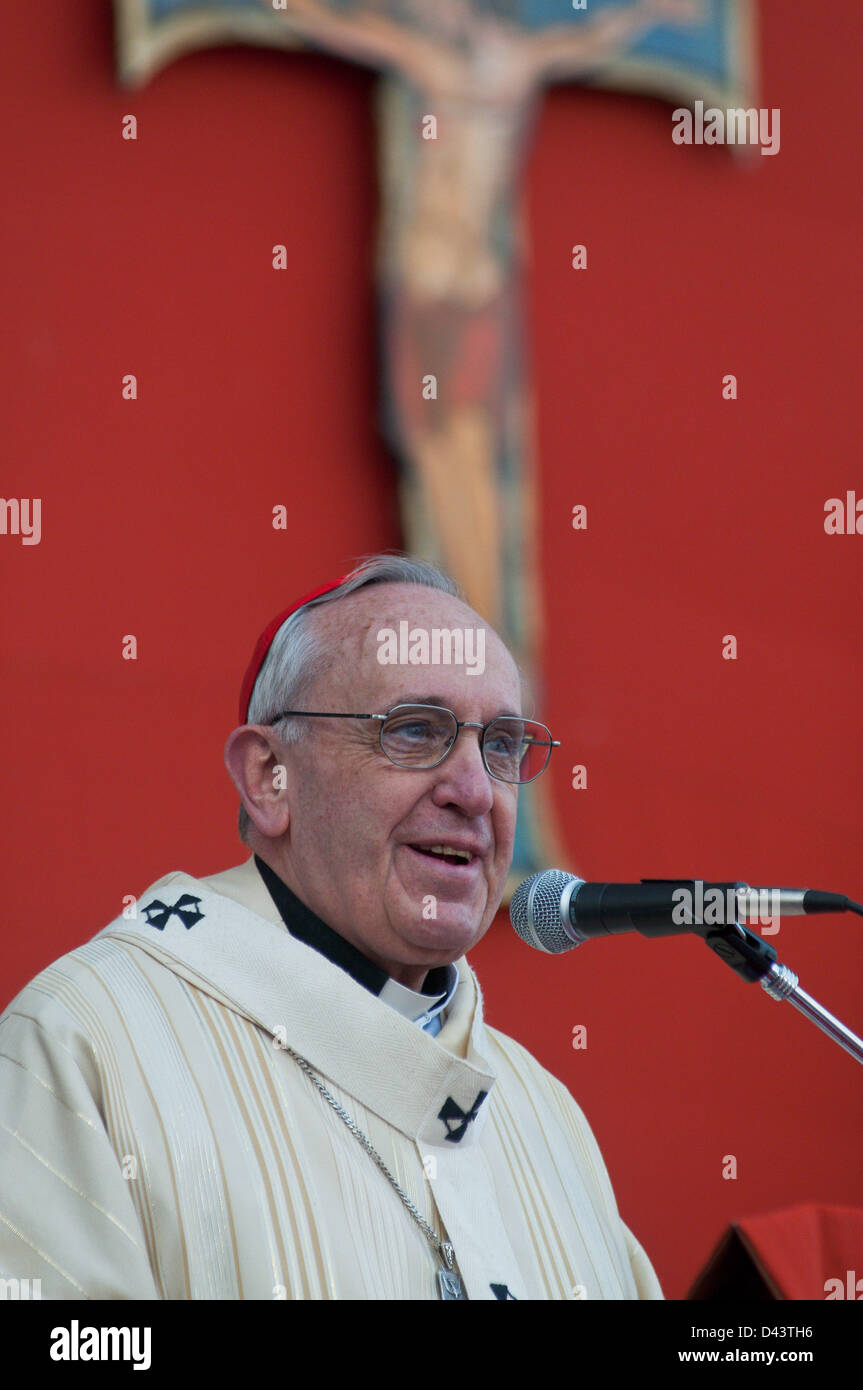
x: 449, y: 1283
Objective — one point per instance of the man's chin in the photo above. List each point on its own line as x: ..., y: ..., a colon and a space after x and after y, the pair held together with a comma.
x: 451, y: 933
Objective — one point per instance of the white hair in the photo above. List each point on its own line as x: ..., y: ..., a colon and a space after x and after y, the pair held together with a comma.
x: 297, y: 656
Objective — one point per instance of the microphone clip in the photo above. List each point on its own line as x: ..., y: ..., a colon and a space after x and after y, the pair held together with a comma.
x: 750, y: 956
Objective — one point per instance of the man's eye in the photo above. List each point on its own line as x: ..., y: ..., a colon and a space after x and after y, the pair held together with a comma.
x: 416, y: 729
x: 506, y: 745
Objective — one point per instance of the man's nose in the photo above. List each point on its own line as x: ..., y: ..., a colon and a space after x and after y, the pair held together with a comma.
x: 463, y: 778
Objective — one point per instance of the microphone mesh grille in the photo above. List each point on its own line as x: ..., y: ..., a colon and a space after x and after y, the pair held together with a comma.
x: 535, y: 911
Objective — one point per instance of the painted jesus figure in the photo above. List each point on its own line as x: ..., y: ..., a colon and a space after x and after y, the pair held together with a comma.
x: 449, y: 262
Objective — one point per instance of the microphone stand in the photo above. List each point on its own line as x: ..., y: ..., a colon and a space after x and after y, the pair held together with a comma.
x: 754, y: 959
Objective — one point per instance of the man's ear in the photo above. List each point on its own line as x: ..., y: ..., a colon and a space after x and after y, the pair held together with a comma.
x: 261, y: 780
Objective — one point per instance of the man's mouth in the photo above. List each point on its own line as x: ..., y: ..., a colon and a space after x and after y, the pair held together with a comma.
x: 461, y: 856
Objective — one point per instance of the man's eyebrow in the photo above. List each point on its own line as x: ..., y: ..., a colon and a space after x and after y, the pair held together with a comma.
x: 412, y: 698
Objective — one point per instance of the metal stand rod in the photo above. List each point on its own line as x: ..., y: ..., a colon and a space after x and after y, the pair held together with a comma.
x: 781, y: 983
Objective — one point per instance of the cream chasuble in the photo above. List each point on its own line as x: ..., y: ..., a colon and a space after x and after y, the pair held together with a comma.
x: 158, y: 1142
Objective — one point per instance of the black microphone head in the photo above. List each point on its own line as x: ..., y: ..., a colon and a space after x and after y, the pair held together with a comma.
x: 538, y: 914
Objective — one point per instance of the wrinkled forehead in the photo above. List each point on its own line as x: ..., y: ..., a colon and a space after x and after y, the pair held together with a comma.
x: 389, y: 636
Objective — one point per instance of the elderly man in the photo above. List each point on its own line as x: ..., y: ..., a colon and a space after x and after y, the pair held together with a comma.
x: 276, y: 1082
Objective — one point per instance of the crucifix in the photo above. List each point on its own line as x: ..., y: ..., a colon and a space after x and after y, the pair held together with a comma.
x: 461, y: 80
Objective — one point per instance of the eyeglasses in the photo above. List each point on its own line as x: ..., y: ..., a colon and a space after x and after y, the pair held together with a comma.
x: 421, y: 736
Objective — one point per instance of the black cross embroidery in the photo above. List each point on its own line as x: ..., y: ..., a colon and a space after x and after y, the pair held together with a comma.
x: 501, y: 1292
x: 456, y: 1119
x: 186, y: 907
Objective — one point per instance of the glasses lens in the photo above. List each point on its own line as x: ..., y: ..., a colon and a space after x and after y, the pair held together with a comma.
x: 418, y: 735
x: 516, y: 750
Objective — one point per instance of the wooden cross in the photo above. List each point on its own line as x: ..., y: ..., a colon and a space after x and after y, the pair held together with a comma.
x: 461, y: 82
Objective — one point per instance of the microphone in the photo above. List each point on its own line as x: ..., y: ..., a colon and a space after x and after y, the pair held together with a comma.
x: 556, y: 911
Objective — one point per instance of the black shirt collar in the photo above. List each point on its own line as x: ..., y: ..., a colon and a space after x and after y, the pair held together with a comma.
x: 307, y: 927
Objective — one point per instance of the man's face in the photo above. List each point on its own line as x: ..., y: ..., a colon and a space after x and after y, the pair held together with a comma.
x: 355, y: 817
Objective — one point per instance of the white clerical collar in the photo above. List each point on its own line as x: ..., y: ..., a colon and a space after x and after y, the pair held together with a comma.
x: 416, y: 1007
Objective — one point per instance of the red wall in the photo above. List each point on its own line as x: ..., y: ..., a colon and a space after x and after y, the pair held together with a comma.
x: 705, y: 518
